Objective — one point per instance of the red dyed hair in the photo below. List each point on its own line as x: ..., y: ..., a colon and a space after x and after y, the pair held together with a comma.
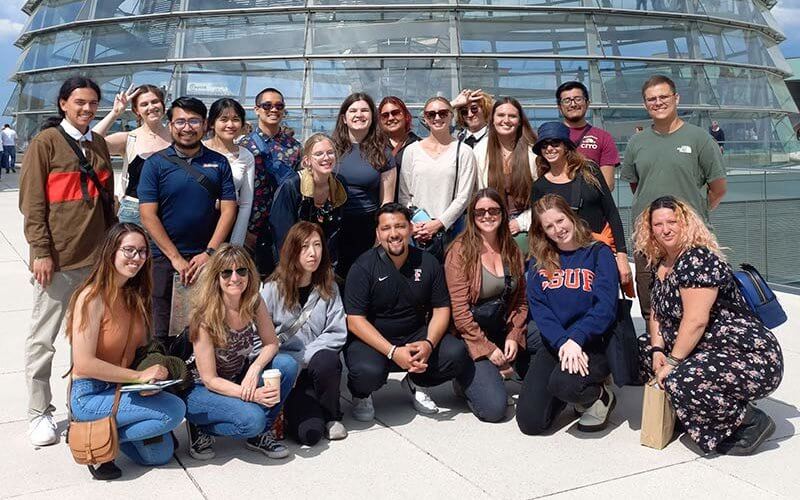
x: 400, y: 104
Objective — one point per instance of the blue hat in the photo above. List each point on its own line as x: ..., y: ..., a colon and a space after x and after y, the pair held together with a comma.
x: 553, y: 131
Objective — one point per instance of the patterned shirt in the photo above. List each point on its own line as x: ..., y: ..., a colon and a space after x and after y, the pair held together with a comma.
x: 274, y: 163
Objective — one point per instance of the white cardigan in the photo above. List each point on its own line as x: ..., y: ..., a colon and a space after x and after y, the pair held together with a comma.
x: 481, y: 152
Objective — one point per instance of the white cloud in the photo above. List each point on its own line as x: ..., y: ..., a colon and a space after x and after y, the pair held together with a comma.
x: 787, y: 14
x: 9, y: 29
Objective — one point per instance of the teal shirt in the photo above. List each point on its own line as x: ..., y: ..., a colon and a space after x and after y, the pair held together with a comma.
x: 680, y: 164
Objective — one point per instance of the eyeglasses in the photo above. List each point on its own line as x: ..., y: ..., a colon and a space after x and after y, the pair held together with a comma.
x: 473, y: 108
x: 493, y: 212
x: 227, y: 273
x: 322, y: 154
x: 657, y: 98
x: 192, y: 122
x: 442, y: 113
x: 133, y: 252
x: 267, y: 105
x: 572, y: 100
x: 395, y: 113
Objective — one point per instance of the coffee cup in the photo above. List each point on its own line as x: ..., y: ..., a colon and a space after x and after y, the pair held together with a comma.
x: 272, y: 378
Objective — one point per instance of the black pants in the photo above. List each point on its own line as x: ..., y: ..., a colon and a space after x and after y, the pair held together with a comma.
x: 368, y: 369
x: 356, y: 236
x: 314, y: 401
x: 546, y: 389
x: 163, y: 274
x: 264, y: 253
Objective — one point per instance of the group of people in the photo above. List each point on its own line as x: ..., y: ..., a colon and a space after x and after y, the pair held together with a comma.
x: 462, y: 259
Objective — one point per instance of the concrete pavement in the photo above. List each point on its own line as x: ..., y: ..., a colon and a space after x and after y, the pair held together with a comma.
x: 402, y: 454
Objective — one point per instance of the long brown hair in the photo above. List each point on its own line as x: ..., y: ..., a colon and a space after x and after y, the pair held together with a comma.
x: 288, y: 273
x: 521, y: 179
x: 543, y: 249
x: 576, y: 164
x: 472, y: 241
x: 208, y: 308
x: 373, y: 147
x: 144, y: 89
x: 102, y: 281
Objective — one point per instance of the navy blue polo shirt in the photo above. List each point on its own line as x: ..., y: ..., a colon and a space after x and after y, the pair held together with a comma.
x: 186, y: 209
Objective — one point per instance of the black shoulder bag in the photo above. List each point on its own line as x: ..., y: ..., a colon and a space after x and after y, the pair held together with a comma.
x: 492, y: 314
x: 201, y: 179
x: 87, y: 173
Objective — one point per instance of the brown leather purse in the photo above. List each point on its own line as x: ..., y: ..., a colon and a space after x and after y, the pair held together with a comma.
x: 96, y: 442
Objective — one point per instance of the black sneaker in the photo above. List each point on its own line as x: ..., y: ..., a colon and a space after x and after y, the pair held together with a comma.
x: 268, y: 445
x: 106, y: 472
x: 201, y: 445
x: 755, y: 429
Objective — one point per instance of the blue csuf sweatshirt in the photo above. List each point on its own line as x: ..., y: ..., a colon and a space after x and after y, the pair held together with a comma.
x: 579, y: 300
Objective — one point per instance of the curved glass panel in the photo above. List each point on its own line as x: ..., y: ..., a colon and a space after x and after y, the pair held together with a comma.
x: 125, y: 8
x: 55, y: 12
x: 240, y: 4
x: 132, y: 41
x: 644, y: 37
x: 63, y: 48
x: 734, y: 45
x: 623, y: 81
x: 244, y: 80
x: 529, y: 33
x: 381, y: 33
x: 230, y: 36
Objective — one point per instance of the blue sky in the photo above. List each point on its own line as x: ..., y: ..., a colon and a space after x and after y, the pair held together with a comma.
x: 787, y: 13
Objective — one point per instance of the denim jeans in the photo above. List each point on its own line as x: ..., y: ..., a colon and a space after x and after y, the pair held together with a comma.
x: 228, y: 416
x: 140, y: 419
x: 487, y: 392
x: 129, y: 211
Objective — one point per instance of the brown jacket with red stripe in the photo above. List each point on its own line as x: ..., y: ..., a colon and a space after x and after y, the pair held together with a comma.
x: 59, y: 223
x: 464, y: 294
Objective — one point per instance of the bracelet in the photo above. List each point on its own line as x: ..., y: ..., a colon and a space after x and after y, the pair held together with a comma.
x: 429, y: 343
x: 673, y: 361
x: 656, y: 348
x: 391, y: 352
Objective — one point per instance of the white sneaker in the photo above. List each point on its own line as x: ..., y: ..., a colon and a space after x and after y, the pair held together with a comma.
x: 42, y: 430
x: 595, y: 418
x: 335, y: 430
x: 363, y: 410
x: 422, y: 402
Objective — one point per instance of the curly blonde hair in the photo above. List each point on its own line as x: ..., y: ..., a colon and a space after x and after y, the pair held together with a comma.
x: 694, y: 232
x: 208, y: 309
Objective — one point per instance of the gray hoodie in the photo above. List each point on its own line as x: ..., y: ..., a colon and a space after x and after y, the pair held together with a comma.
x: 325, y: 328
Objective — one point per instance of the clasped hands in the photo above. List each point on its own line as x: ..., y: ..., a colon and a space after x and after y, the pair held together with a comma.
x: 251, y: 392
x: 573, y: 359
x: 424, y: 231
x: 413, y: 357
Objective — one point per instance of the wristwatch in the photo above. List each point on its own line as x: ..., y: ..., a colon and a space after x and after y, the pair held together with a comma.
x: 210, y: 251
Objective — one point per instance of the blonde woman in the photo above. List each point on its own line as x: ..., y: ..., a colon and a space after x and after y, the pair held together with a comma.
x: 228, y: 398
x: 709, y: 353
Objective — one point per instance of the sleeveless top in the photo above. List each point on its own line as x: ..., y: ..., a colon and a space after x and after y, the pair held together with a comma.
x: 114, y: 330
x: 232, y: 358
x: 132, y: 164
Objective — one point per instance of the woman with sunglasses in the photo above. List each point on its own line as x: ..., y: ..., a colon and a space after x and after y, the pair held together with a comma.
x: 474, y: 107
x: 314, y: 195
x: 436, y: 179
x: 225, y: 121
x: 506, y: 162
x: 135, y: 146
x: 309, y: 317
x: 396, y: 124
x: 108, y: 318
x: 367, y: 169
x: 485, y: 276
x: 572, y: 295
x: 229, y: 323
x: 562, y: 170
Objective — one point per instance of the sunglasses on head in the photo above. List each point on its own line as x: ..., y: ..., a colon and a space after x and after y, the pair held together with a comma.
x: 267, y: 106
x: 492, y: 211
x: 393, y: 113
x: 473, y: 108
x: 442, y: 113
x: 227, y: 273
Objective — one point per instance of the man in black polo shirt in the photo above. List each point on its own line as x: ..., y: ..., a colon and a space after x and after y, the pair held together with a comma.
x: 398, y: 310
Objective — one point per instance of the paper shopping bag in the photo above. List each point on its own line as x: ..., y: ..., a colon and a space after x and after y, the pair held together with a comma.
x: 658, y: 417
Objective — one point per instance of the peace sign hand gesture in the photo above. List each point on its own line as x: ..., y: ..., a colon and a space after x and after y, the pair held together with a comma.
x: 121, y: 100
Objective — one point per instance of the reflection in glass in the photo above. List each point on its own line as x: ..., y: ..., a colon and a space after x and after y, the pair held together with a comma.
x: 237, y: 36
x: 530, y: 33
x: 132, y: 41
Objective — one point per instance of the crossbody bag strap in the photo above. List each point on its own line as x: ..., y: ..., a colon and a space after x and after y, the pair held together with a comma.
x: 576, y: 194
x: 86, y: 170
x: 583, y: 134
x: 201, y: 179
x: 458, y: 164
x: 506, y: 285
x: 290, y: 331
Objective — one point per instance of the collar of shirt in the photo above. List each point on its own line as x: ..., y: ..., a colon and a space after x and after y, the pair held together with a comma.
x: 479, y: 134
x: 75, y: 133
x: 173, y: 151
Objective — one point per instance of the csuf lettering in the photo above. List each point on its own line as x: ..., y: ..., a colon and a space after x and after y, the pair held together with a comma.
x: 568, y: 278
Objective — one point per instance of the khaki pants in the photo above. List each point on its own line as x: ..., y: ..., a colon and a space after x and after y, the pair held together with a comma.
x: 49, y: 307
x: 644, y: 280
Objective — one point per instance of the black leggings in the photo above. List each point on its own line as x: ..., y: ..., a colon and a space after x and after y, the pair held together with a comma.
x: 546, y: 389
x: 314, y: 401
x: 356, y: 236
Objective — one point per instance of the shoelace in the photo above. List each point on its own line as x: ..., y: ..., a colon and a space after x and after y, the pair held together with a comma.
x: 266, y: 440
x: 50, y: 421
x: 203, y: 441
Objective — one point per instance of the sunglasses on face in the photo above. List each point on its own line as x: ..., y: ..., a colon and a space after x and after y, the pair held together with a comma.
x: 395, y: 113
x: 547, y: 144
x: 493, y: 211
x: 473, y: 108
x: 268, y: 106
x: 133, y: 252
x: 227, y: 273
x: 442, y: 113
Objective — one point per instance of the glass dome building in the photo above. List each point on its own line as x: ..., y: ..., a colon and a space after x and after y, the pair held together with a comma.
x: 723, y: 54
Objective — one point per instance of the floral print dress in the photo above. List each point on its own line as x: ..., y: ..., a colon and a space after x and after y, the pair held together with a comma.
x: 737, y: 360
